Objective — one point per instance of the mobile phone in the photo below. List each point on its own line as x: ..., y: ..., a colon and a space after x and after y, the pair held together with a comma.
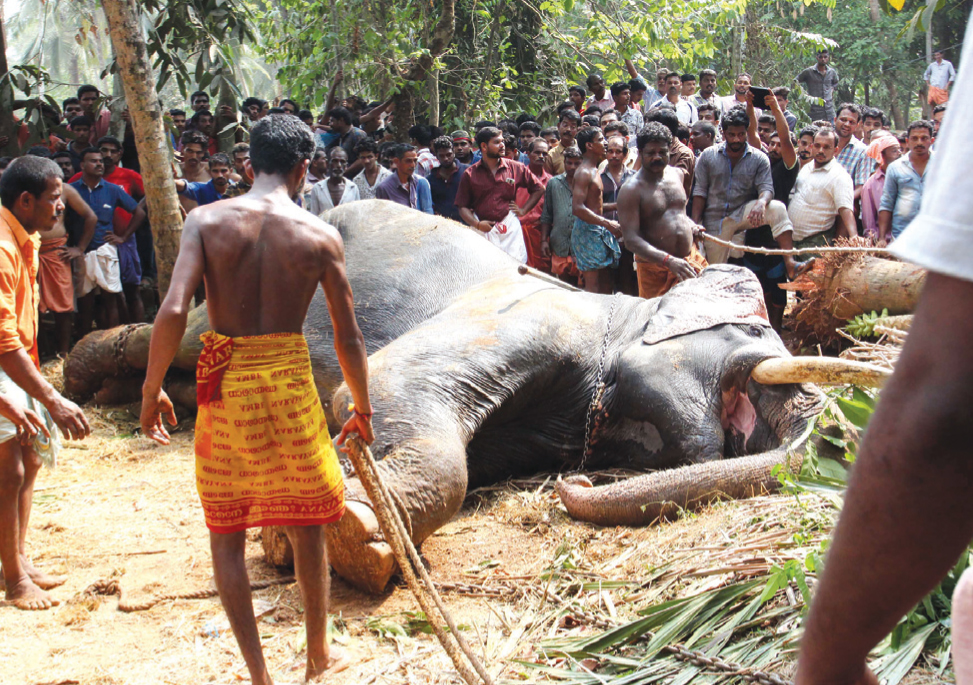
x: 758, y: 96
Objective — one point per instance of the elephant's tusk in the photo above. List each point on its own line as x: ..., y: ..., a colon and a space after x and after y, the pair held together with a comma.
x: 820, y: 370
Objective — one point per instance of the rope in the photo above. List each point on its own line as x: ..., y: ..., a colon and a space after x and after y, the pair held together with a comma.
x: 107, y: 586
x: 409, y: 562
x: 804, y: 250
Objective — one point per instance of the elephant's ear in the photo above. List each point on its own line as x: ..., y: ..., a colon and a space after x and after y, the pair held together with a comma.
x: 722, y: 294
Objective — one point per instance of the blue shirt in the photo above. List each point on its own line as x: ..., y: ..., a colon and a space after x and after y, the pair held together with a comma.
x: 103, y: 199
x: 902, y: 194
x: 444, y: 192
x: 202, y: 193
x: 416, y: 195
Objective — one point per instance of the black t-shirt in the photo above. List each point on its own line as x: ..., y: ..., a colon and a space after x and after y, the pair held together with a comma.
x: 784, y: 179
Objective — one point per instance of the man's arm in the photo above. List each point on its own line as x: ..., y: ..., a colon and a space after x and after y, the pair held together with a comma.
x: 349, y: 343
x: 787, y: 151
x: 332, y: 99
x: 74, y: 200
x: 632, y: 71
x: 138, y: 217
x: 765, y: 190
x: 752, y: 138
x: 375, y: 112
x: 170, y: 325
x: 915, y: 451
x: 579, y: 193
x: 699, y: 205
x: 849, y: 228
x: 890, y: 194
x: 464, y: 203
x: 884, y: 225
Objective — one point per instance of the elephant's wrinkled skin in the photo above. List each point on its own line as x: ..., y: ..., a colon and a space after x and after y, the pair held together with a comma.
x: 478, y: 373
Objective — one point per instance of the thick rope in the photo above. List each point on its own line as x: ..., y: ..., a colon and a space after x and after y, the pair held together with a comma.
x: 114, y: 587
x: 803, y: 250
x: 411, y: 565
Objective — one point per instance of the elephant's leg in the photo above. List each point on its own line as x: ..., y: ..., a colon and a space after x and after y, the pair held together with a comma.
x: 428, y: 480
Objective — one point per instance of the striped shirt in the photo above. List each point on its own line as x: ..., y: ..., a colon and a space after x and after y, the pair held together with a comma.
x: 852, y: 157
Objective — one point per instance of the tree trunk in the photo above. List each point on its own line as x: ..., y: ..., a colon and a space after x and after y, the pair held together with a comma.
x: 404, y: 115
x: 150, y: 135
x: 117, y: 126
x: 434, y: 97
x: 736, y: 53
x: 900, y: 119
x: 227, y: 137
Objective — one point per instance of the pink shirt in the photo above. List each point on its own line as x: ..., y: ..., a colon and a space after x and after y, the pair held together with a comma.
x: 871, y: 199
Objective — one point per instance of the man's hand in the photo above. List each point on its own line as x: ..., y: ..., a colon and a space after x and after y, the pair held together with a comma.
x: 227, y: 111
x: 518, y: 212
x: 681, y: 269
x: 358, y: 424
x: 114, y: 239
x: 756, y: 216
x: 545, y: 248
x: 483, y: 226
x: 154, y: 407
x: 72, y: 253
x: 28, y: 423
x: 69, y: 418
x: 614, y: 227
x: 771, y: 101
x: 339, y: 77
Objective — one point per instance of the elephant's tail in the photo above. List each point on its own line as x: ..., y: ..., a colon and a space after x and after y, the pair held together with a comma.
x: 645, y: 499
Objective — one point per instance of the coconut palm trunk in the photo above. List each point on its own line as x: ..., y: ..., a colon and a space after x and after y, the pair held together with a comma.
x: 150, y: 133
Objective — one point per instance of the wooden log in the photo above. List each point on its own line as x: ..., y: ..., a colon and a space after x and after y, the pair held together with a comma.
x: 277, y: 548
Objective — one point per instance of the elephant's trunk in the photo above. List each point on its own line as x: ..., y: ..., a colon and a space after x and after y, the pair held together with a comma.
x: 643, y: 500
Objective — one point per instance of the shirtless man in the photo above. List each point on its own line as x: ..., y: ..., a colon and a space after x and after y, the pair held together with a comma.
x: 594, y: 239
x: 195, y: 150
x: 57, y: 262
x: 30, y: 192
x: 262, y: 258
x: 652, y: 212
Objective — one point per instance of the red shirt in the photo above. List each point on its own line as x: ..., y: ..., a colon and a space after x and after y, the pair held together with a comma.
x: 533, y: 216
x: 131, y: 183
x: 489, y: 195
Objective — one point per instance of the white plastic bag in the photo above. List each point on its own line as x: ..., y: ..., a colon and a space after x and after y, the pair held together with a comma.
x: 509, y: 237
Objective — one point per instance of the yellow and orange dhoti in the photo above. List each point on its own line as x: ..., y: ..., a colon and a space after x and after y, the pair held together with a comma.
x: 263, y: 452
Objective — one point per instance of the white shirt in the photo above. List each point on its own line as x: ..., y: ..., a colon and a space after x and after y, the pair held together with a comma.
x: 319, y: 199
x: 685, y: 110
x: 940, y: 238
x: 819, y: 193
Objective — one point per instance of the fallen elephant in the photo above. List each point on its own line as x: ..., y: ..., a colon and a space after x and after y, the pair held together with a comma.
x: 478, y: 373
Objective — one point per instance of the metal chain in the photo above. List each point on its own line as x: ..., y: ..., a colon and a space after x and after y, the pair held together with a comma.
x: 600, y: 387
x: 122, y: 367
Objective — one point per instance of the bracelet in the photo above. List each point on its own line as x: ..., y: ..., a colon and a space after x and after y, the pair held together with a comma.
x: 665, y: 260
x: 354, y: 409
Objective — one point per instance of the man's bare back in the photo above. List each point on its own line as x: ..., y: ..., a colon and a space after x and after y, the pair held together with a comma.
x: 264, y: 259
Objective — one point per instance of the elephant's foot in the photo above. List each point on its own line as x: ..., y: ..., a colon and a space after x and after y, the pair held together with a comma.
x: 358, y: 552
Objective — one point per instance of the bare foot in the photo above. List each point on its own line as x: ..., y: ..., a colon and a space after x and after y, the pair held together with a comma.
x: 338, y: 661
x: 28, y: 597
x: 41, y: 579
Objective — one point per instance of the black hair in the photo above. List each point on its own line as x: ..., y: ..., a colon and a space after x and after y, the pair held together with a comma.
x: 367, y: 145
x: 620, y: 126
x: 341, y: 113
x: 533, y: 143
x: 194, y: 120
x: 683, y: 133
x: 935, y: 110
x: 198, y: 93
x: 177, y: 112
x: 828, y: 131
x: 421, y: 134
x: 707, y: 107
x: 59, y: 153
x: 653, y: 132
x: 808, y: 131
x: 782, y: 92
x: 276, y: 110
x: 81, y: 121
x: 240, y: 147
x: 851, y: 106
x: 486, y: 134
x: 483, y: 123
x: 921, y: 123
x: 305, y: 114
x: 823, y: 51
x: 593, y: 120
x: 706, y: 127
x: 619, y: 88
x: 571, y: 115
x: 39, y: 151
x: 5, y: 161
x: 531, y: 126
x: 572, y: 153
x: 194, y: 137
x: 735, y: 116
x: 278, y: 143
x: 767, y: 119
x: 664, y: 116
x: 688, y: 77
x: 250, y: 101
x: 399, y: 151
x: 318, y: 153
x: 288, y: 100
x: 566, y: 105
x: 550, y: 131
x: 586, y: 136
x: 706, y: 72
x: 524, y: 117
x: 69, y: 101
x: 662, y: 73
x: 26, y: 175
x: 111, y: 140
x: 441, y: 143
x: 874, y: 113
x: 593, y: 77
x: 87, y: 88
x: 578, y: 89
x: 220, y: 158
x: 592, y: 110
x: 89, y: 151
x: 509, y: 127
x: 743, y: 74
x: 637, y: 84
x: 509, y: 142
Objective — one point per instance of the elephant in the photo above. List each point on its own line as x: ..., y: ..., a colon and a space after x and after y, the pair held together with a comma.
x: 480, y: 370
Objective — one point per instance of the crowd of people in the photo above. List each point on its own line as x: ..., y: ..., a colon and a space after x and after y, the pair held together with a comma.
x: 573, y: 199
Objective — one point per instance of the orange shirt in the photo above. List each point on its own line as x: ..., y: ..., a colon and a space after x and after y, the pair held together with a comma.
x: 19, y: 292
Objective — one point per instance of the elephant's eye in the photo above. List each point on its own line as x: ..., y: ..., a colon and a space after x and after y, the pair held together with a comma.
x: 755, y: 331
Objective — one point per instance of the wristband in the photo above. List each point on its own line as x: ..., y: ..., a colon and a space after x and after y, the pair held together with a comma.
x: 665, y: 260
x: 354, y: 409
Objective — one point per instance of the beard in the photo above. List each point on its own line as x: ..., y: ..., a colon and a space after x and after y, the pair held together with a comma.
x: 735, y: 147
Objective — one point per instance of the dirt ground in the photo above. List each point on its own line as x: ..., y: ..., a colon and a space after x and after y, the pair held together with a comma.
x: 120, y: 506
